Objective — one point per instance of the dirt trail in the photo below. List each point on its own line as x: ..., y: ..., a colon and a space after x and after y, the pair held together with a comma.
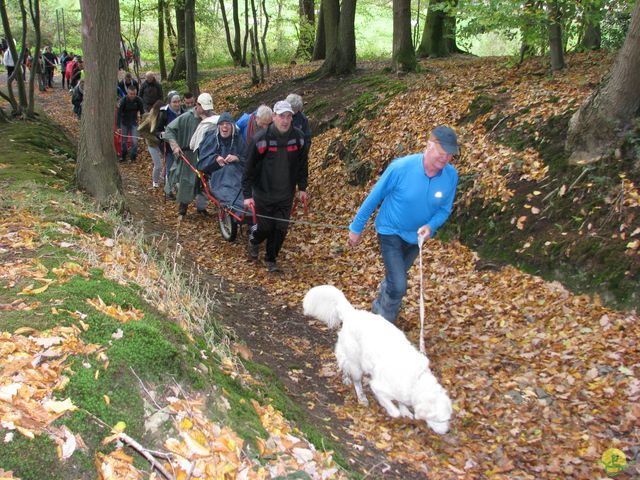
x: 278, y: 336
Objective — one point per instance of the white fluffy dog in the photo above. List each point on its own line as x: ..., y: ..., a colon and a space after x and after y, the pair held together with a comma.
x: 370, y: 345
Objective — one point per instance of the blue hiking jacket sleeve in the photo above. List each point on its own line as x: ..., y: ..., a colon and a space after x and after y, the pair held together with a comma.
x: 408, y: 199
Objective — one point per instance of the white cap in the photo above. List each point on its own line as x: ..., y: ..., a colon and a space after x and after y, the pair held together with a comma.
x: 205, y: 101
x: 281, y: 107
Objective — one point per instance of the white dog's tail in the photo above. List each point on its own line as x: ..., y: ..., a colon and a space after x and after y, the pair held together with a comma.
x: 327, y: 304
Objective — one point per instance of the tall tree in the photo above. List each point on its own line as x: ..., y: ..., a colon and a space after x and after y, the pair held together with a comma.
x: 403, y: 56
x: 340, y: 38
x: 171, y: 33
x: 263, y: 39
x: 556, y: 46
x: 234, y: 47
x: 161, y: 60
x: 96, y: 170
x: 179, y: 70
x: 590, y: 29
x: 255, y: 42
x: 319, y: 46
x: 439, y: 35
x: 611, y: 108
x: 34, y: 12
x: 18, y: 105
x: 306, y: 26
x: 190, y: 47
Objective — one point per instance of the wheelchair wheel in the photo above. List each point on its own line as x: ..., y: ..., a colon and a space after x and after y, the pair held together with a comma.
x: 228, y: 226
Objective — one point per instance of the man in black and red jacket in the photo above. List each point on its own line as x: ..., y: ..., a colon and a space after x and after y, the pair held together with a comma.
x: 277, y: 162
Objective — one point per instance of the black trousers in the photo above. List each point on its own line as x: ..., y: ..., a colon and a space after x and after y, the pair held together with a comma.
x: 273, y: 229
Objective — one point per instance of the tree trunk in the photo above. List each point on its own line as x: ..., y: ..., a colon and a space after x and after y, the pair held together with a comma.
x: 246, y: 33
x: 171, y: 33
x: 340, y: 47
x: 96, y: 170
x: 264, y: 37
x: 527, y: 30
x: 434, y: 37
x: 256, y: 40
x: 450, y: 34
x: 591, y: 30
x: 19, y: 105
x: 254, y: 73
x: 403, y: 57
x: 179, y: 70
x: 191, y: 54
x: 556, y: 50
x: 237, y: 47
x: 319, y: 47
x: 306, y: 27
x: 233, y: 51
x: 611, y: 108
x: 161, y: 60
x: 34, y: 11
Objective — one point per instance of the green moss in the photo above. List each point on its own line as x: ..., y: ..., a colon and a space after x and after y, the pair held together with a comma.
x: 91, y: 225
x: 479, y: 106
x: 31, y: 459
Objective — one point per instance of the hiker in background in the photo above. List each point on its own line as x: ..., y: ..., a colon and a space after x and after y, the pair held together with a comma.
x: 178, y: 133
x: 128, y: 110
x: 189, y: 101
x: 76, y: 69
x: 77, y: 98
x: 126, y: 82
x: 168, y: 113
x: 9, y: 64
x: 147, y: 130
x: 65, y: 59
x: 300, y: 120
x: 250, y: 124
x: 150, y: 91
x: 50, y: 60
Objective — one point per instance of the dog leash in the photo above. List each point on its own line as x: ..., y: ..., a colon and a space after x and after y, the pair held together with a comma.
x: 421, y: 239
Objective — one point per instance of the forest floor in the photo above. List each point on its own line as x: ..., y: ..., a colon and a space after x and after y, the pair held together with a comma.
x: 544, y: 381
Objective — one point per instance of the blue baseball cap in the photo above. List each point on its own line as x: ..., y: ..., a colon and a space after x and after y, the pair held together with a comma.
x: 447, y: 139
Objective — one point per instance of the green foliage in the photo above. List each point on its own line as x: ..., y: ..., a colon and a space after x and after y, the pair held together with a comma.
x: 32, y: 459
x: 615, y: 23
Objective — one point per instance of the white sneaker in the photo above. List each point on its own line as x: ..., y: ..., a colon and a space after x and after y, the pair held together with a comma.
x: 156, y: 185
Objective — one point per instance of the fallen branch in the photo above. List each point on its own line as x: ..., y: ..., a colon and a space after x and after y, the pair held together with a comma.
x: 145, y: 389
x: 145, y: 453
x: 124, y: 438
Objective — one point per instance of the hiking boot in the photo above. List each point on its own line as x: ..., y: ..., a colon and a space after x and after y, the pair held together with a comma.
x: 272, y: 267
x: 122, y: 159
x: 253, y: 250
x: 155, y: 185
x: 203, y: 212
x: 182, y: 209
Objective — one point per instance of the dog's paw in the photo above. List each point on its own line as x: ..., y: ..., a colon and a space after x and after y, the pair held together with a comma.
x: 405, y: 412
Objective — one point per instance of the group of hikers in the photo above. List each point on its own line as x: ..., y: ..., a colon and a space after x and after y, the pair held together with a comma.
x: 257, y: 163
x: 45, y: 66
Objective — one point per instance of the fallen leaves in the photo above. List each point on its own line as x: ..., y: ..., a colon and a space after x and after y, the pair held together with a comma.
x: 116, y: 311
x: 31, y: 370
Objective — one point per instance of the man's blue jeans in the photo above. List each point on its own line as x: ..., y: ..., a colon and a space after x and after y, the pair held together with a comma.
x: 125, y: 131
x: 398, y: 256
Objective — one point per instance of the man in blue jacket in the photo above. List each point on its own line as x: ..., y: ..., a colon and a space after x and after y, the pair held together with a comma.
x: 417, y: 194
